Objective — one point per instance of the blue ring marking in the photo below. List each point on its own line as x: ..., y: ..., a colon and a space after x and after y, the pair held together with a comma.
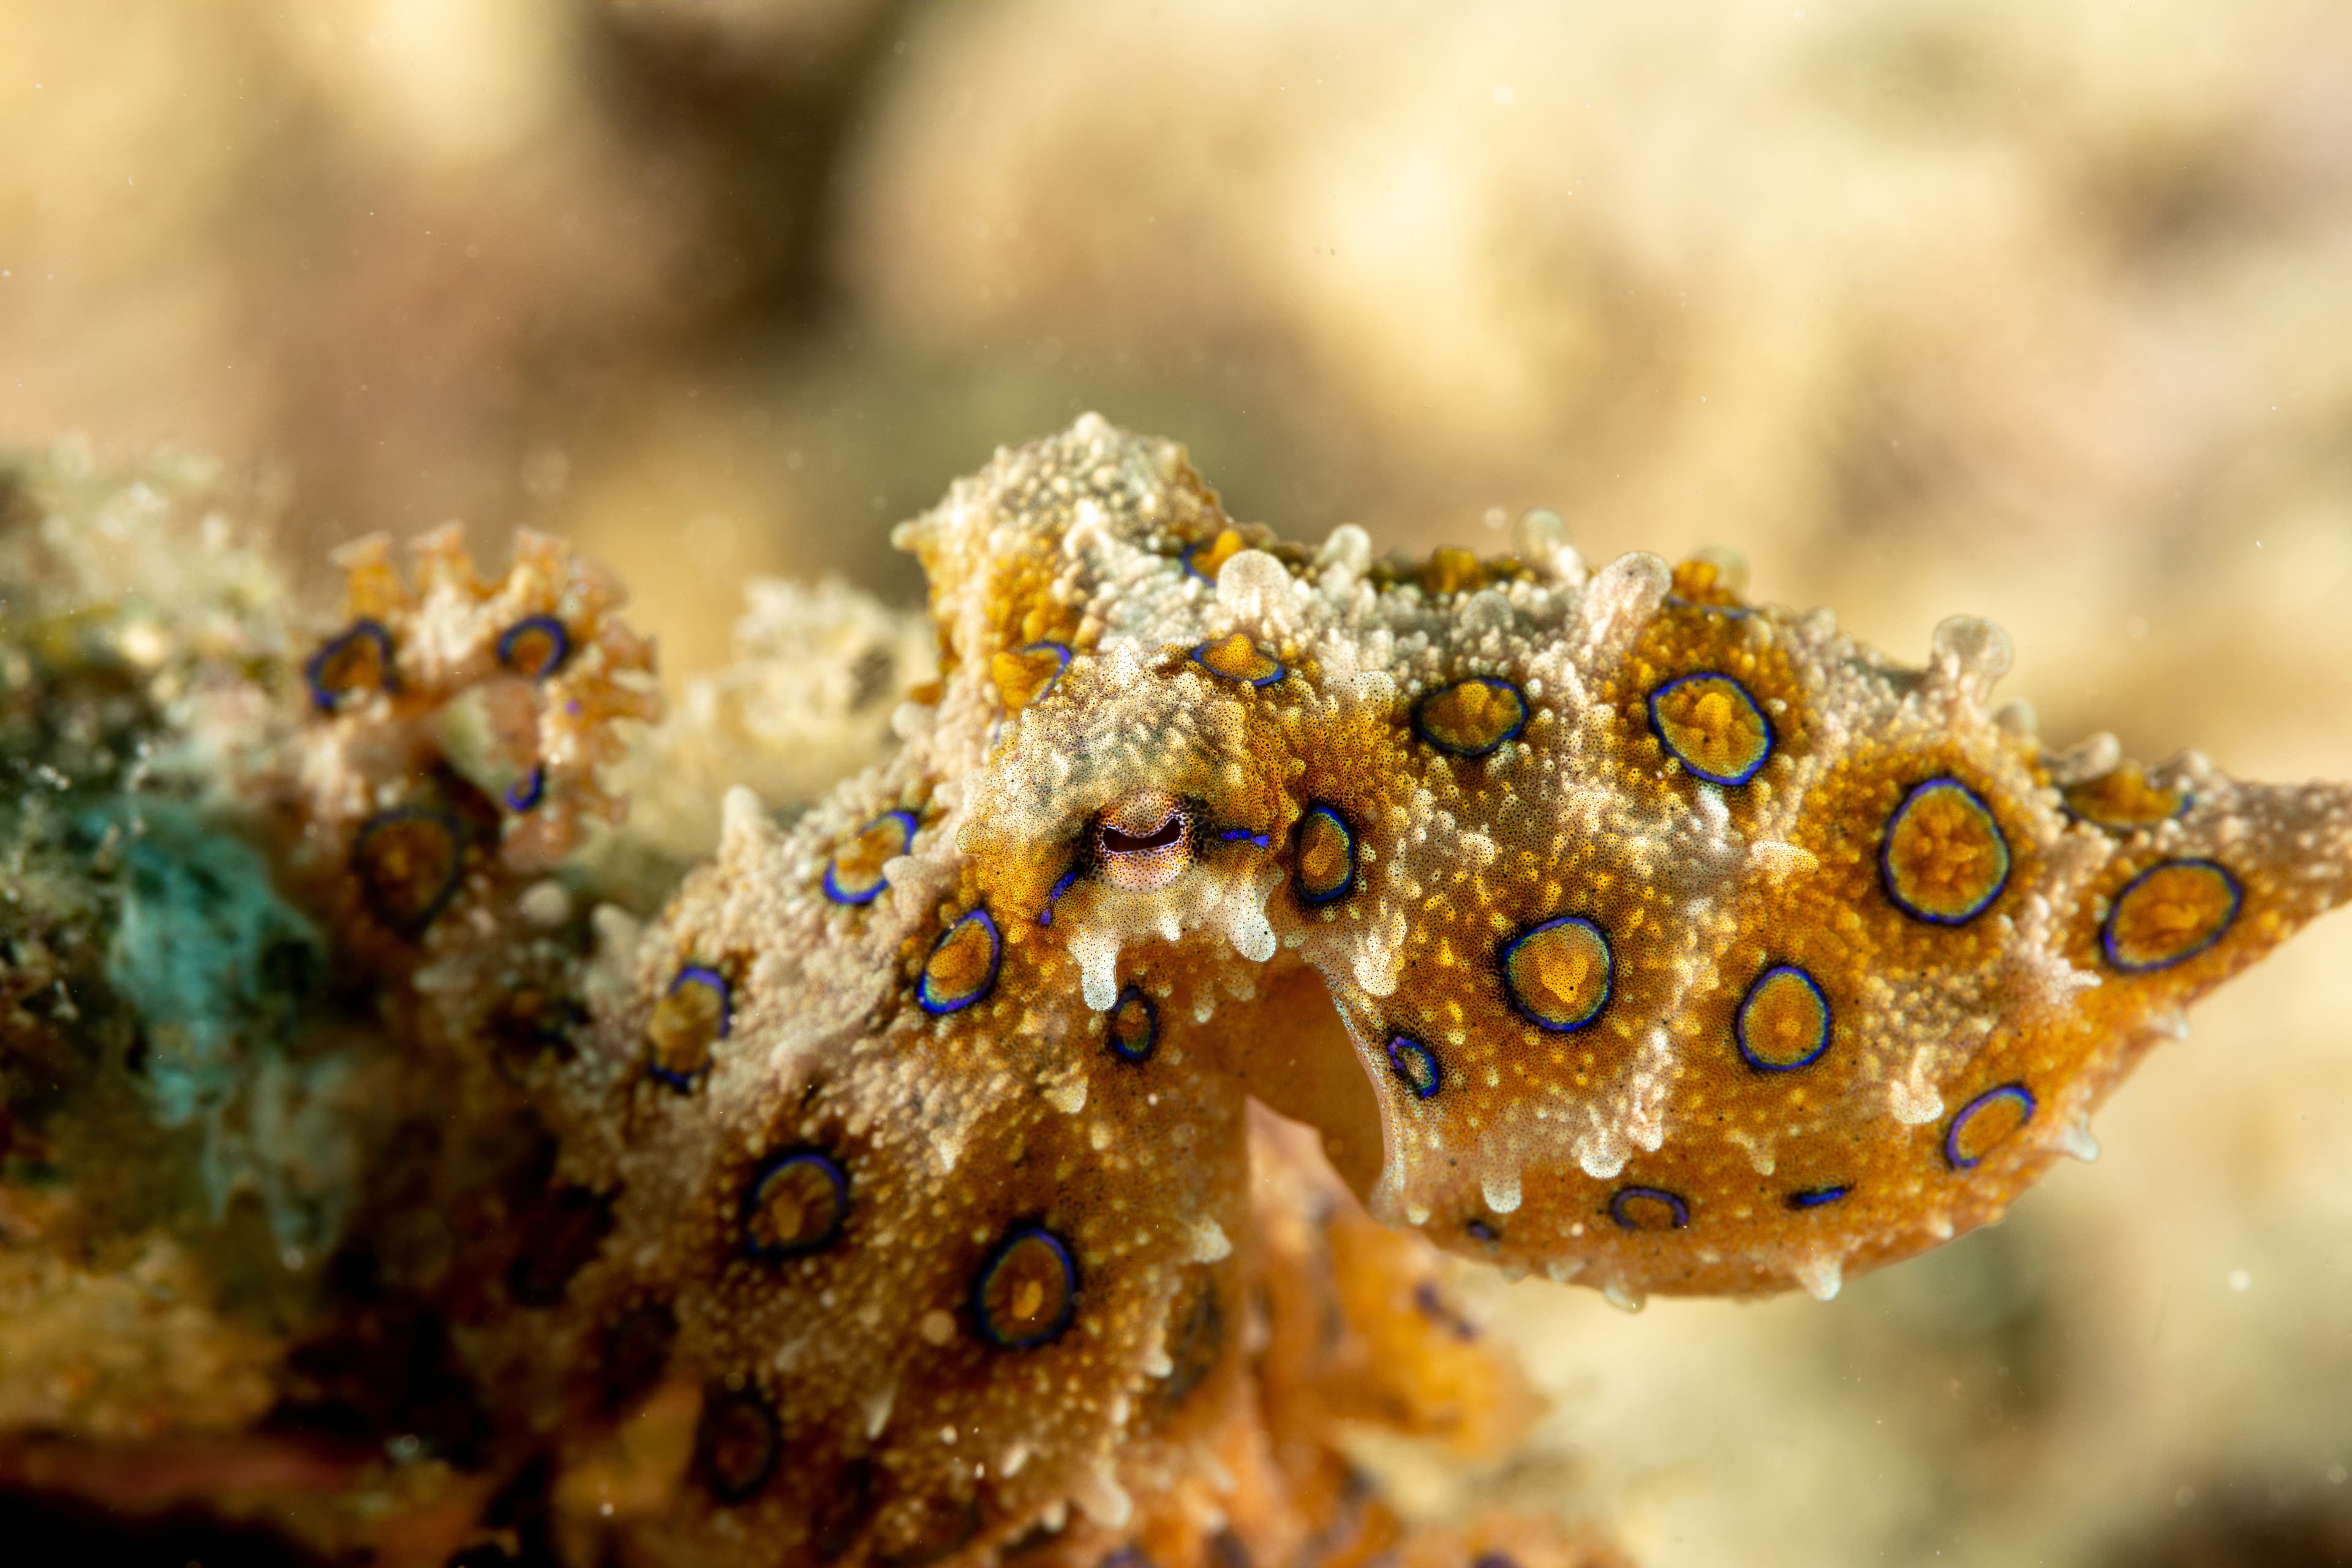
x: 1135, y: 1056
x: 1814, y: 1197
x: 2108, y: 926
x: 1608, y: 981
x: 1347, y: 835
x: 527, y: 791
x: 2015, y: 1093
x: 1764, y: 719
x: 840, y: 895
x: 1416, y: 1064
x: 931, y: 1003
x: 314, y: 668
x: 731, y: 1488
x: 1624, y: 1195
x: 1480, y: 1230
x: 1258, y: 683
x: 1061, y: 885
x: 430, y: 910
x: 1185, y: 556
x: 697, y: 974
x: 1027, y: 1231
x: 1235, y: 835
x: 1062, y: 657
x: 1739, y: 1022
x: 1886, y: 846
x: 1527, y: 710
x: 559, y: 637
x: 798, y: 1159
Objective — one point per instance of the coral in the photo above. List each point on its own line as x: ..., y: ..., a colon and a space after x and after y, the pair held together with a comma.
x: 893, y: 1193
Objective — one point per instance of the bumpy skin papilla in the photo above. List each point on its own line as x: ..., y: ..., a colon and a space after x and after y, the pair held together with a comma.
x: 1605, y: 923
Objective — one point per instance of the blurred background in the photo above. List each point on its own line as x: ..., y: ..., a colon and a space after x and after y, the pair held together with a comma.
x: 2037, y: 309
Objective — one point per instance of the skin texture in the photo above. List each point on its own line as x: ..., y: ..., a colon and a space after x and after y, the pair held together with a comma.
x: 1604, y: 924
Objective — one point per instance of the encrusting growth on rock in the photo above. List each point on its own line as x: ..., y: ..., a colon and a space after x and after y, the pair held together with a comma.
x: 903, y: 1200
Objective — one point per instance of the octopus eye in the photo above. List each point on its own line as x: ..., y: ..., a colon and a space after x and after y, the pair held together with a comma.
x: 1145, y: 841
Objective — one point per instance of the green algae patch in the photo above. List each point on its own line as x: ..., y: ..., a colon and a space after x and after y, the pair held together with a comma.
x: 221, y: 971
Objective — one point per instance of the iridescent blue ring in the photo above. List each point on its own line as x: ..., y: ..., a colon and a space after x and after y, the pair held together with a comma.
x: 1675, y: 1207
x: 1257, y: 682
x: 798, y: 1159
x: 908, y: 824
x: 697, y: 974
x: 1052, y: 1331
x: 1134, y: 1054
x: 2016, y: 1094
x: 314, y: 668
x: 1527, y: 710
x: 1763, y: 721
x: 1739, y: 1022
x: 428, y: 909
x: 1814, y: 1197
x: 1608, y: 977
x: 1347, y: 835
x: 2220, y: 929
x: 1062, y: 884
x: 559, y: 638
x: 527, y: 791
x: 1416, y: 1066
x: 937, y: 1007
x: 1886, y: 852
x: 1062, y: 655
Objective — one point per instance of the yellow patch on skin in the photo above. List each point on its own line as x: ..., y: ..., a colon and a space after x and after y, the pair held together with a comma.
x: 532, y: 650
x: 960, y: 966
x: 356, y: 666
x: 684, y: 1026
x: 2123, y: 799
x: 1704, y: 581
x: 1235, y: 658
x: 1713, y: 727
x: 1022, y: 675
x: 1472, y: 717
x: 2171, y: 911
x: 856, y: 868
x: 1984, y: 1125
x: 1946, y: 858
x: 797, y: 1204
x: 1558, y: 975
x: 1452, y: 570
x: 1783, y: 1023
x: 1210, y: 559
x: 1327, y: 859
x: 1132, y: 1026
x: 1026, y: 1291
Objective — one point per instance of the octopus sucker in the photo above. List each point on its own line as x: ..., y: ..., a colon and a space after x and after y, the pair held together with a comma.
x: 1040, y: 1147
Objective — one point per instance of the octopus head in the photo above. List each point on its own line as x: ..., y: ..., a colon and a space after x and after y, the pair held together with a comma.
x: 1136, y: 801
